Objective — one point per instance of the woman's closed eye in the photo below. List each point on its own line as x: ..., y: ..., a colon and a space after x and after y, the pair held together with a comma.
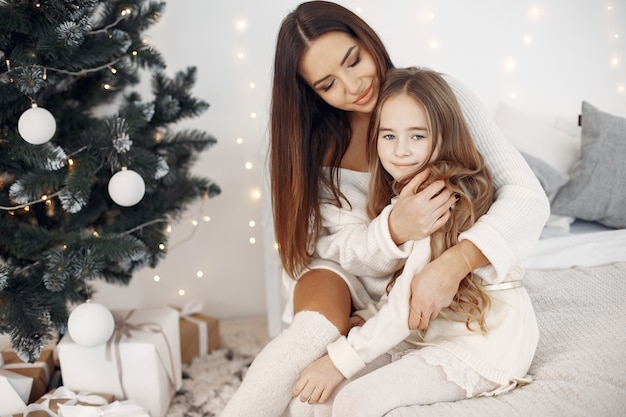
x: 355, y: 62
x: 328, y: 86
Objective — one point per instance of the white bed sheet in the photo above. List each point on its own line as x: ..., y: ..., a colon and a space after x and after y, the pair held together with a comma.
x: 584, y: 244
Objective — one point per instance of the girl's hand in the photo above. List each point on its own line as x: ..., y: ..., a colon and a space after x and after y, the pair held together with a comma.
x: 356, y: 321
x: 416, y: 215
x: 318, y: 381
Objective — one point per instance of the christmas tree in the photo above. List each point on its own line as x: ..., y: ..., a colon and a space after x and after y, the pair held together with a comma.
x: 86, y: 192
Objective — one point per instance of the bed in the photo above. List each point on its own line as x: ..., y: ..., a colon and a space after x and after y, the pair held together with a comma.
x: 576, y: 276
x: 580, y: 364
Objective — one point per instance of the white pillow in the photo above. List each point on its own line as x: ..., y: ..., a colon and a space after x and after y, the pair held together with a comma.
x: 538, y: 138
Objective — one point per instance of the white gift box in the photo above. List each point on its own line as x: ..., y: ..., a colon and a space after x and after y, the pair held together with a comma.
x: 140, y: 362
x: 128, y: 408
x: 14, y: 392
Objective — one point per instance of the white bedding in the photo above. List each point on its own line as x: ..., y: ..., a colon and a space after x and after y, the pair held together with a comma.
x: 583, y: 244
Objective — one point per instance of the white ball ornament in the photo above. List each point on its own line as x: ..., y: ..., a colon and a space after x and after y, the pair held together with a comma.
x: 36, y: 125
x: 90, y: 324
x: 126, y: 188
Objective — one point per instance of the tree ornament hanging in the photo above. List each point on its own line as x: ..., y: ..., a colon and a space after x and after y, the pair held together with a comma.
x: 126, y: 188
x: 90, y: 324
x: 36, y: 125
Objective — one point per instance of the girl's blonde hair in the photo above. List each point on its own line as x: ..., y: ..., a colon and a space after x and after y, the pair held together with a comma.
x: 458, y: 163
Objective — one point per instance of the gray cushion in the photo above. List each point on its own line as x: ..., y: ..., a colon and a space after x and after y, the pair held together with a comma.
x: 596, y: 190
x: 551, y: 180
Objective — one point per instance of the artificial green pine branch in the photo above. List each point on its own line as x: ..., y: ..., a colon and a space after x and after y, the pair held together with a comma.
x: 60, y: 230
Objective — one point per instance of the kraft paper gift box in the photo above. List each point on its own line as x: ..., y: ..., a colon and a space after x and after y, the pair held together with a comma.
x: 39, y: 371
x: 199, y: 333
x: 140, y: 362
x: 14, y: 392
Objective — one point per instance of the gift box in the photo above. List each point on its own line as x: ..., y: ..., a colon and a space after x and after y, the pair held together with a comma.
x: 38, y: 372
x: 14, y: 392
x: 71, y: 408
x: 140, y: 362
x: 199, y: 333
x: 53, y: 400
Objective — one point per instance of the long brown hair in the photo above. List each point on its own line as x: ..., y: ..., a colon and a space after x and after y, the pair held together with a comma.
x: 304, y: 129
x: 458, y: 163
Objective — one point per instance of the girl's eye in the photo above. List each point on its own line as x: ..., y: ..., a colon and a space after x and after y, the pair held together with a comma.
x: 418, y: 137
x: 388, y: 136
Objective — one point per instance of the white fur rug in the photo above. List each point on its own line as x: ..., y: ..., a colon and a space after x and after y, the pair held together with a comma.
x: 210, y: 381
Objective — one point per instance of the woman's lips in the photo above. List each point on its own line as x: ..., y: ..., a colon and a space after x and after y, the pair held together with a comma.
x: 366, y: 96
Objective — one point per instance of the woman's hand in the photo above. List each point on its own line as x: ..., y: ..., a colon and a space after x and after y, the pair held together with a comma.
x: 434, y: 287
x: 416, y: 215
x: 318, y: 381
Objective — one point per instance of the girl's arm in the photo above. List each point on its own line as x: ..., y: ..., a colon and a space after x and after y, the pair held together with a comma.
x: 380, y: 333
x: 362, y: 247
x: 372, y: 248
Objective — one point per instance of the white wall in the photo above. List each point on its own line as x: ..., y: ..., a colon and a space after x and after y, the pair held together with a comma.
x: 543, y: 57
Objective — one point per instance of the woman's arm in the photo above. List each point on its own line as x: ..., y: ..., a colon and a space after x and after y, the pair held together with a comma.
x: 434, y: 286
x: 507, y: 233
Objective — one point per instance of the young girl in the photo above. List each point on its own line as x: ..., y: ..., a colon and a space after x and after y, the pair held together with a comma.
x: 328, y: 68
x: 484, y: 342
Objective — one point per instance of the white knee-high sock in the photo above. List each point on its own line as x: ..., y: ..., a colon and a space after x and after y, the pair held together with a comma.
x: 266, y: 388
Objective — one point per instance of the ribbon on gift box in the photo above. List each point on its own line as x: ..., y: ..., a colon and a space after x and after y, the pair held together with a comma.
x: 67, y: 396
x: 195, y: 307
x: 128, y: 408
x: 124, y: 328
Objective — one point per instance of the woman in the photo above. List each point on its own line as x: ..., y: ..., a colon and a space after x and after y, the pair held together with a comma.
x: 328, y: 69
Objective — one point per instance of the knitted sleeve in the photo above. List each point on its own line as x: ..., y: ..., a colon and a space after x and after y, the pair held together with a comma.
x: 362, y: 247
x: 507, y: 233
